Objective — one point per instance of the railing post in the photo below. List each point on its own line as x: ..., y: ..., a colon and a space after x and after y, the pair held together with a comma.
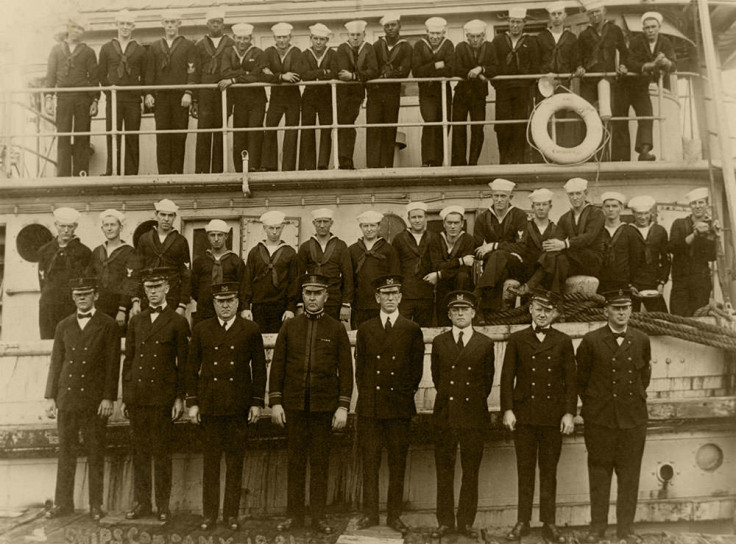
x: 445, y: 126
x: 223, y: 107
x: 335, y: 148
x: 114, y: 114
x: 660, y: 125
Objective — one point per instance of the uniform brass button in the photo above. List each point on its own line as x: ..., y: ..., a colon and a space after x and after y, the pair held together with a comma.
x: 151, y: 381
x: 451, y: 398
x: 215, y: 363
x: 216, y: 348
x: 143, y: 343
x: 469, y: 368
x: 467, y: 383
x: 84, y: 362
x: 378, y: 356
x: 70, y: 375
x: 534, y: 383
x: 549, y: 370
x: 534, y: 369
x: 548, y: 396
x: 68, y: 388
x: 393, y: 357
x: 532, y: 396
x: 392, y: 389
x: 81, y: 389
x: 378, y: 387
x: 467, y: 399
x: 153, y: 368
x: 155, y: 355
x: 392, y: 373
x: 630, y: 371
x: 232, y: 362
x: 614, y: 370
x: 232, y: 347
x: 614, y: 394
x: 629, y: 358
x: 83, y: 377
x: 141, y: 355
x: 453, y: 366
x: 630, y: 381
x: 378, y: 371
x: 157, y: 341
x: 140, y: 368
x: 85, y: 349
x: 534, y: 356
x: 548, y: 357
x: 140, y: 380
x: 452, y: 383
x: 215, y: 379
x: 74, y: 349
x: 231, y: 379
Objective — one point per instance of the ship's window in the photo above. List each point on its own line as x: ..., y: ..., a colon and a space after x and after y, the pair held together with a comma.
x: 30, y: 239
x: 143, y: 227
x: 390, y: 226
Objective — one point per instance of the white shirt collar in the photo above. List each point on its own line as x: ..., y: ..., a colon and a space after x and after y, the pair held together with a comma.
x: 467, y: 333
x: 227, y: 324
x: 384, y: 316
x: 83, y: 322
x: 154, y: 316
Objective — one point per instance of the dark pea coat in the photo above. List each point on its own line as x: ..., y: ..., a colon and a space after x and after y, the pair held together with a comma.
x: 173, y: 253
x: 414, y: 264
x: 368, y: 265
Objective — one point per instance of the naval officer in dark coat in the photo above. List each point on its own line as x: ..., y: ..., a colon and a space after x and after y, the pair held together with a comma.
x: 538, y: 402
x: 81, y: 388
x: 156, y: 347
x: 462, y: 372
x: 613, y: 376
x: 389, y: 359
x: 226, y: 385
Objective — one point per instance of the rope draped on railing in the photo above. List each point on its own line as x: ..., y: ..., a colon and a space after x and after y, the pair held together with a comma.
x: 587, y: 308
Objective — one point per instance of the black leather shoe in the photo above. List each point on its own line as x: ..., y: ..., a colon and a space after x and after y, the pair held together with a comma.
x: 366, y: 521
x: 398, y: 525
x: 469, y: 532
x: 552, y: 534
x: 138, y: 511
x: 289, y: 523
x: 520, y: 529
x: 321, y: 526
x: 592, y: 537
x: 96, y: 513
x: 58, y: 512
x: 163, y: 515
x: 441, y: 531
x: 629, y: 537
x: 233, y: 523
x: 207, y: 524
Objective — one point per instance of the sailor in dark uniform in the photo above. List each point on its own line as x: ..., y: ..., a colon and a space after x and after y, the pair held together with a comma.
x: 208, y: 104
x: 653, y: 269
x: 355, y: 61
x: 539, y: 402
x: 622, y: 246
x: 389, y: 360
x: 693, y: 243
x: 123, y: 63
x: 172, y: 61
x: 462, y: 372
x: 81, y: 388
x: 59, y: 260
x: 281, y: 66
x: 499, y: 225
x: 310, y: 386
x: 226, y: 387
x: 242, y: 63
x: 475, y: 62
x: 613, y: 375
x: 434, y: 56
x: 270, y: 282
x: 516, y: 54
x: 163, y: 246
x: 116, y: 265
x: 393, y: 54
x: 451, y: 254
x: 318, y: 64
x: 371, y: 257
x: 217, y: 265
x: 413, y: 249
x: 72, y: 63
x: 156, y: 347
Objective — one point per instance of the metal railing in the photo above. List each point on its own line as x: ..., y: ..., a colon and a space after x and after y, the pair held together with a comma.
x: 10, y: 98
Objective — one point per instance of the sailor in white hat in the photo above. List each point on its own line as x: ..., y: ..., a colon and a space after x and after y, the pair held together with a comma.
x: 318, y: 62
x: 371, y: 256
x: 692, y: 244
x: 653, y: 271
x: 393, y: 54
x: 652, y: 54
x: 282, y: 61
x: 622, y: 243
x: 501, y: 222
x: 350, y: 97
x: 453, y: 271
x: 59, y: 260
x: 476, y: 62
x: 433, y: 56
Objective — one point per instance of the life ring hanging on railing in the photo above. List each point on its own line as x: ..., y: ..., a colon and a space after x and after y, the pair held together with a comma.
x: 557, y: 153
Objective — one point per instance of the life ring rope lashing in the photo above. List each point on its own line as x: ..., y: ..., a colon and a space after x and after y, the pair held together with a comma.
x: 542, y: 141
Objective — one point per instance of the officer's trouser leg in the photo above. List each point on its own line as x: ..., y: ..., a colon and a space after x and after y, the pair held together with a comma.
x: 142, y: 447
x: 629, y: 451
x: 525, y: 443
x: 298, y: 439
x: 396, y: 438
x: 68, y: 424
x: 601, y: 443
x: 471, y: 454
x: 320, y: 426
x: 213, y: 431
x: 161, y: 430
x: 445, y: 453
x: 93, y: 433
x: 550, y: 446
x: 234, y: 442
x: 370, y: 433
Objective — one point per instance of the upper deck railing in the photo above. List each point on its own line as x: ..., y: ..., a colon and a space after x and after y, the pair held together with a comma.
x: 41, y: 127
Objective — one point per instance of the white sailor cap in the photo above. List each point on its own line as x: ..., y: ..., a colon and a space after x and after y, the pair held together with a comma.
x: 391, y: 17
x: 652, y: 15
x: 353, y: 27
x: 476, y: 26
x: 323, y: 213
x: 124, y: 16
x: 369, y: 216
x: 700, y: 193
x: 170, y: 15
x: 574, y: 185
x: 555, y: 6
x: 217, y: 225
x: 214, y: 13
x: 452, y: 209
x: 502, y: 185
x: 318, y: 30
x: 642, y: 203
x: 541, y: 195
x: 416, y: 206
x: 273, y: 218
x: 166, y: 205
x: 66, y: 216
x: 282, y: 29
x: 435, y: 24
x: 242, y: 29
x: 517, y: 13
x: 613, y: 195
x: 110, y: 212
x: 79, y: 20
x: 590, y: 5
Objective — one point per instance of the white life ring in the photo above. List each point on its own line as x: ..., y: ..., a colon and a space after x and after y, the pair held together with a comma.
x: 557, y: 153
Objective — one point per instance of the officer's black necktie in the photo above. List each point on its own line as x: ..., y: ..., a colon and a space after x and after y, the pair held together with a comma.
x: 460, y: 340
x: 156, y: 310
x: 618, y: 335
x: 388, y: 324
x: 84, y: 316
x: 541, y: 330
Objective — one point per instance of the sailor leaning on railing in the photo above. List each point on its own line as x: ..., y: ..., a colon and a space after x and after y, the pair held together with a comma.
x: 512, y: 61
